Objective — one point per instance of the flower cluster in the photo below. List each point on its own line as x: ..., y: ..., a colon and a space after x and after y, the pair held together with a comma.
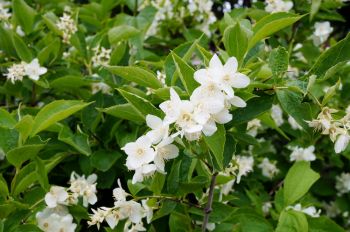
x: 123, y: 209
x: 68, y: 27
x: 322, y: 32
x: 55, y: 217
x: 343, y: 183
x: 274, y: 6
x: 268, y: 168
x: 101, y: 56
x: 208, y: 104
x: 33, y: 70
x: 336, y: 129
x: 170, y: 11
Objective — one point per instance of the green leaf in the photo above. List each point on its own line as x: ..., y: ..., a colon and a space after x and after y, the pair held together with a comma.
x: 125, y: 111
x: 292, y: 221
x: 323, y: 224
x: 298, y: 181
x: 50, y: 53
x: 138, y: 75
x: 255, y: 107
x: 236, y: 41
x: 179, y: 222
x: 278, y: 61
x: 157, y: 184
x: 79, y: 141
x: 338, y: 53
x: 22, y: 49
x: 173, y: 179
x: 135, y: 188
x: 54, y: 112
x: 166, y: 208
x: 271, y: 24
x: 24, y: 126
x: 119, y: 33
x: 8, y: 139
x: 6, y: 119
x: 4, y: 191
x: 315, y: 6
x: 216, y: 144
x: 24, y: 14
x: 103, y: 160
x: 19, y: 155
x: 142, y: 105
x: 291, y: 103
x: 186, y: 73
x: 42, y: 174
x: 6, y: 43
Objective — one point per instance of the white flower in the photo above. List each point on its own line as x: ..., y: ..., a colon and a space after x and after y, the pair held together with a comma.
x: 97, y: 217
x: 130, y: 209
x: 57, y: 195
x: 225, y: 76
x: 343, y: 183
x: 274, y: 6
x: 253, y: 126
x: 84, y: 187
x: 119, y: 193
x: 33, y: 70
x: 277, y: 114
x: 245, y: 165
x: 52, y: 220
x: 101, y: 86
x: 165, y: 151
x: 4, y: 12
x: 294, y: 123
x: 101, y: 56
x: 146, y: 170
x: 311, y: 210
x: 332, y: 210
x: 160, y: 129
x: 268, y: 168
x: 68, y: 27
x: 266, y: 208
x: 16, y: 72
x: 322, y: 32
x: 148, y: 210
x: 342, y: 142
x: 306, y: 154
x: 139, y: 153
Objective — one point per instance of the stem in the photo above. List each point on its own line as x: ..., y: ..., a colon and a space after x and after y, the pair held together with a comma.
x: 170, y: 199
x: 208, y: 208
x: 33, y: 101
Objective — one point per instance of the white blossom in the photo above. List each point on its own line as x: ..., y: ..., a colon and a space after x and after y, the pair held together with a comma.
x: 68, y: 27
x: 4, y: 11
x: 56, y: 195
x: 331, y: 208
x: 253, y: 126
x: 342, y: 142
x: 266, y: 208
x: 101, y: 86
x: 160, y: 129
x: 84, y: 187
x: 101, y: 56
x: 33, y: 70
x: 343, y: 183
x: 165, y: 151
x: 119, y: 193
x: 55, y: 220
x: 311, y: 210
x: 268, y: 168
x: 274, y: 6
x: 16, y: 72
x: 277, y: 114
x: 306, y: 154
x: 294, y: 124
x: 145, y: 170
x: 322, y: 32
x: 139, y: 153
x: 245, y: 165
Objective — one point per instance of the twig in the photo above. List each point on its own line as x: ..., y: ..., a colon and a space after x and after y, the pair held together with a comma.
x: 208, y: 207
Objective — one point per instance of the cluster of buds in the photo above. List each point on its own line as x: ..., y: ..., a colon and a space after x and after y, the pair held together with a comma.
x: 336, y: 129
x: 56, y: 217
x: 68, y: 27
x: 129, y: 210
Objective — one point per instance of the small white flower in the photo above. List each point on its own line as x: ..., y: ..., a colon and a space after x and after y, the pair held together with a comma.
x: 53, y: 220
x: 253, y: 126
x: 245, y: 165
x: 274, y: 6
x: 311, y: 210
x: 68, y: 27
x: 322, y: 32
x: 268, y: 168
x: 139, y: 153
x: 57, y: 195
x: 148, y: 210
x: 101, y: 86
x: 306, y: 154
x: 332, y: 210
x: 266, y: 208
x: 97, y: 217
x: 343, y: 183
x: 277, y: 114
x: 119, y: 193
x: 342, y: 142
x: 143, y: 172
x: 101, y: 56
x: 33, y: 70
x: 16, y: 72
x: 84, y: 187
x: 165, y: 151
x: 131, y: 209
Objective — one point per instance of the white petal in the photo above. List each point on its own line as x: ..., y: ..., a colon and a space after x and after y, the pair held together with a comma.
x: 240, y: 81
x: 215, y: 62
x: 231, y: 65
x: 223, y: 117
x: 153, y: 122
x: 238, y: 102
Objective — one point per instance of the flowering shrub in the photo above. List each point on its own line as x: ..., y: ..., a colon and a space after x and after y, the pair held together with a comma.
x: 174, y: 115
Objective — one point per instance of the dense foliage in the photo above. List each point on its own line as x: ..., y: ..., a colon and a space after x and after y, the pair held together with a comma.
x: 174, y: 115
